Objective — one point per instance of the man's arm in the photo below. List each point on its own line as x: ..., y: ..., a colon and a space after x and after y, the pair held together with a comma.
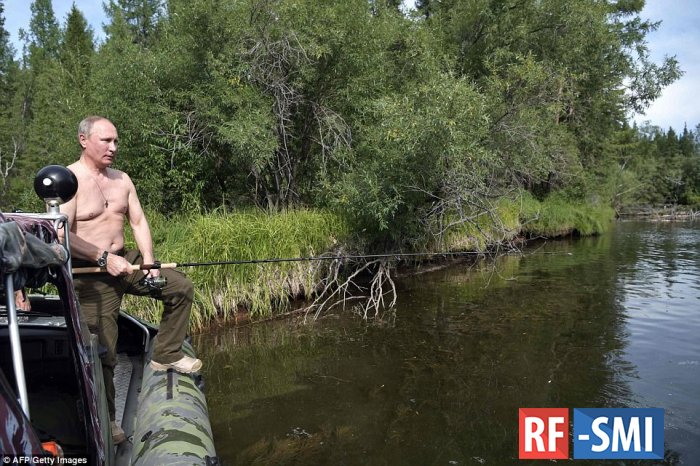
x: 140, y: 228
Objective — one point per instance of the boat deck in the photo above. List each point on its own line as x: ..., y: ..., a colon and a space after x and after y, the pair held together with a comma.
x: 128, y: 376
x: 122, y: 379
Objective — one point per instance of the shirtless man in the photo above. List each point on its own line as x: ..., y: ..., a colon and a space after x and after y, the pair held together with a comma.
x: 105, y: 199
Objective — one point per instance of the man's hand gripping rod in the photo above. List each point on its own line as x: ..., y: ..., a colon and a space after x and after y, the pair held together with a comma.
x: 153, y: 283
x: 134, y: 267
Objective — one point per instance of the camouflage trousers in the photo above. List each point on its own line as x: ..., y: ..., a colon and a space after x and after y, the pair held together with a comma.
x: 100, y: 296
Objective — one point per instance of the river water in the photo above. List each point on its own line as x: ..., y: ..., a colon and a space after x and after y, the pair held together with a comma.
x: 610, y: 321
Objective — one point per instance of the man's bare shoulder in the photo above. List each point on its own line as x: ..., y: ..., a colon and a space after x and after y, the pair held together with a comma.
x: 120, y: 179
x: 115, y: 174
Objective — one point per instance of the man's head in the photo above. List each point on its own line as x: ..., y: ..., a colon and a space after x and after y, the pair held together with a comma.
x: 98, y: 141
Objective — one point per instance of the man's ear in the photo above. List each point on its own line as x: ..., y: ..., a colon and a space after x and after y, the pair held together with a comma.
x: 82, y: 140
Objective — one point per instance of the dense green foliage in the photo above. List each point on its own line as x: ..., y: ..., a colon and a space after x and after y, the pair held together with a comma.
x: 408, y: 126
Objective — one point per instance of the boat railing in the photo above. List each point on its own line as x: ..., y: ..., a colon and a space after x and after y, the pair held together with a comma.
x: 16, y: 345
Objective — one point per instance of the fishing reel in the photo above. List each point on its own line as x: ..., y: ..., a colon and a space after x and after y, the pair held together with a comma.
x: 153, y: 283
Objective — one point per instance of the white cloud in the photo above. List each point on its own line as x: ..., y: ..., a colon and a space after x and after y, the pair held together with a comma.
x: 676, y: 107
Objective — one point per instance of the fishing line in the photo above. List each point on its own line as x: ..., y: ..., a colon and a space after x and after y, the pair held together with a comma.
x: 172, y: 265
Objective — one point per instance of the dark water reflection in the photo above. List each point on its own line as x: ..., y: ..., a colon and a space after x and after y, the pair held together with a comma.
x: 612, y: 321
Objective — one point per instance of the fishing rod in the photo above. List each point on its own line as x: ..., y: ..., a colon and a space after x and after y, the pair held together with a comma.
x: 172, y: 265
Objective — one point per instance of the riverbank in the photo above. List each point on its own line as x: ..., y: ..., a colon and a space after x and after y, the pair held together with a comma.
x: 224, y: 293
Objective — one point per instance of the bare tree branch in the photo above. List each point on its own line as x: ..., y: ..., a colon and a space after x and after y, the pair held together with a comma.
x: 6, y: 165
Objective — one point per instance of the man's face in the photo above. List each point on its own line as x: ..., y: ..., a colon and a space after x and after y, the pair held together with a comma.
x: 101, y: 145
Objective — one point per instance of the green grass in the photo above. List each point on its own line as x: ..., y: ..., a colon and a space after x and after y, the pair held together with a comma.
x: 556, y: 216
x: 485, y: 229
x: 257, y: 288
x: 525, y: 215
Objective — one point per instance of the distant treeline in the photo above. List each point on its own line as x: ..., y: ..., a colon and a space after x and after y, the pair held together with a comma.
x: 405, y: 124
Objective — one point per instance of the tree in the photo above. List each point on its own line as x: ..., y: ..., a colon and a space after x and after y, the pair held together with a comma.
x: 8, y: 67
x: 425, y: 7
x: 77, y: 50
x: 141, y: 17
x: 7, y: 52
x: 556, y: 72
x: 44, y: 35
x: 9, y: 148
x: 686, y: 143
x: 667, y: 144
x: 12, y: 134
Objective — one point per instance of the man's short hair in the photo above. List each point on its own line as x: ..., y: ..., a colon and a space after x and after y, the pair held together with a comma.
x: 85, y: 126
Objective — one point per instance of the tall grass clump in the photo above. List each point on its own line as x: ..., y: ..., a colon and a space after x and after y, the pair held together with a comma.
x: 493, y: 224
x: 247, y: 235
x: 557, y: 216
x: 522, y: 214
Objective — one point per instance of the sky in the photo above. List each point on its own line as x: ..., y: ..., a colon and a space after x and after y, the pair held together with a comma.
x: 678, y: 35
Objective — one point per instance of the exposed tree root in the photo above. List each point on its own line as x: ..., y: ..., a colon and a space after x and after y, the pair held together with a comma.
x: 337, y: 290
